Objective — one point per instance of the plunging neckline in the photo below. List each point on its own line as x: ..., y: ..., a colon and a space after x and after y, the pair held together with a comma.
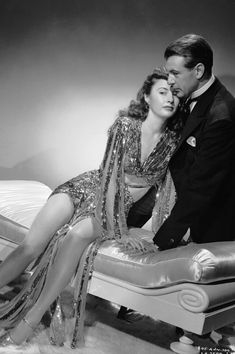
x: 143, y: 163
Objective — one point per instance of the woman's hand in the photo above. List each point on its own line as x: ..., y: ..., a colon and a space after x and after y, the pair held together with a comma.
x: 137, y: 243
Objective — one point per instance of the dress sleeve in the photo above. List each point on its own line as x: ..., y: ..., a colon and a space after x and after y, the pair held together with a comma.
x: 110, y: 197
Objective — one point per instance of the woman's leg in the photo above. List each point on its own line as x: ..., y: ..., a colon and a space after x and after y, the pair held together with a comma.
x: 60, y: 273
x: 56, y: 212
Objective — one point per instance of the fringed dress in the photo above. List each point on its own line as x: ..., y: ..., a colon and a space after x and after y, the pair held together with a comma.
x: 103, y: 194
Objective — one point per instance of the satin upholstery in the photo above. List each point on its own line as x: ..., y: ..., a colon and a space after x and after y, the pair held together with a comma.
x: 197, y: 263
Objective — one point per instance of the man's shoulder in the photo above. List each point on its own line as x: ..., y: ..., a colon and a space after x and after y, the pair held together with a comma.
x: 223, y: 105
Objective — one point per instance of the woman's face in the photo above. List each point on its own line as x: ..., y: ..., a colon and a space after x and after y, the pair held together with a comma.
x: 162, y: 101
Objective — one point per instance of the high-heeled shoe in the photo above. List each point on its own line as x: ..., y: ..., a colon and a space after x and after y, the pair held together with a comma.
x: 31, y: 327
x: 57, y: 325
x: 6, y: 340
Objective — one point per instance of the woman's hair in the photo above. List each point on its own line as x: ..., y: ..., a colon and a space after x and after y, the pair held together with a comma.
x: 138, y: 109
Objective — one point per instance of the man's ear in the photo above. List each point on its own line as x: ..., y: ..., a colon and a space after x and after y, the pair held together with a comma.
x: 200, y: 70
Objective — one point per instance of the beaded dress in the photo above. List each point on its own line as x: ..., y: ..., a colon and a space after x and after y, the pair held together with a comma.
x: 103, y: 194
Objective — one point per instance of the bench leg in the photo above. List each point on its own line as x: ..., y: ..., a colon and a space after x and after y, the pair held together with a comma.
x: 184, y: 346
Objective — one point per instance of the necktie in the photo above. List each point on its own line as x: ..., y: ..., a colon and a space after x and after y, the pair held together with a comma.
x: 186, y: 106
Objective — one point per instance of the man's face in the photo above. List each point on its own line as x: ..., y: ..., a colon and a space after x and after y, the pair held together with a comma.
x: 182, y: 80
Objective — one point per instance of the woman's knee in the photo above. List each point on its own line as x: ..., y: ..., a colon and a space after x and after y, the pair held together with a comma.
x: 83, y: 234
x: 56, y: 212
x: 59, y: 206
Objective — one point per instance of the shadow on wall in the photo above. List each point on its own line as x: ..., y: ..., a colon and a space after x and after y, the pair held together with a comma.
x: 51, y: 168
x: 229, y: 82
x: 36, y: 168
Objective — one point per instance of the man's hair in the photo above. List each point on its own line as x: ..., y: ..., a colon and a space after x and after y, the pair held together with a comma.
x: 195, y: 49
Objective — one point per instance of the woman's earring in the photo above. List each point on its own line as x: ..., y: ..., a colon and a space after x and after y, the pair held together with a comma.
x: 146, y: 105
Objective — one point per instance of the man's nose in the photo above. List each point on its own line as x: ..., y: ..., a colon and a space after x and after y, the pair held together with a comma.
x: 171, y: 79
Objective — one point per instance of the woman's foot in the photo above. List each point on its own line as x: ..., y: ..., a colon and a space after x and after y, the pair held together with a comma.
x: 19, y: 334
x: 6, y: 340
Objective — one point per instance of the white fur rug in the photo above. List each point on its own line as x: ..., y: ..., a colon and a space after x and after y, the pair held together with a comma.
x: 106, y: 334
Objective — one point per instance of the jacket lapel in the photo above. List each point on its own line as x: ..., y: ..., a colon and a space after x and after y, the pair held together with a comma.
x: 199, y: 113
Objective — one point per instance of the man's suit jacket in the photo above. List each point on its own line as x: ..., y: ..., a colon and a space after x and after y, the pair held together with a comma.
x: 203, y: 171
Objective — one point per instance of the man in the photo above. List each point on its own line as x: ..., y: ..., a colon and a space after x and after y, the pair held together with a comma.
x: 203, y: 165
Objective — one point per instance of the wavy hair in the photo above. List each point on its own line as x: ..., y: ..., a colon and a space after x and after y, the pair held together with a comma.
x: 138, y: 108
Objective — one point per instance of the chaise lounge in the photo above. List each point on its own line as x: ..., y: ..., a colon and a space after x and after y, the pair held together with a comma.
x: 191, y: 287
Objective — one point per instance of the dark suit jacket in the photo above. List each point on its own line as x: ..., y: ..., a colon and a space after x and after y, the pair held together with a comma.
x: 204, y: 175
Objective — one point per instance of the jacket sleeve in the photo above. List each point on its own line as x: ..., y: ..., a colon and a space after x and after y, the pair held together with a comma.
x: 203, y: 181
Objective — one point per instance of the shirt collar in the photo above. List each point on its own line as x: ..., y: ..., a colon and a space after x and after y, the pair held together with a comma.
x: 203, y: 89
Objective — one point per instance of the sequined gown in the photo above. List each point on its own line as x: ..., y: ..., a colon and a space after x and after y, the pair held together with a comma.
x: 105, y: 194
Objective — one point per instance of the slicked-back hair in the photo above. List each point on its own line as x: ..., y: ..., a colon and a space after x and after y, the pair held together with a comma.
x: 195, y: 49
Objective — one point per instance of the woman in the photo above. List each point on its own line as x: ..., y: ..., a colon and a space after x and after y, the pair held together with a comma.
x: 90, y: 208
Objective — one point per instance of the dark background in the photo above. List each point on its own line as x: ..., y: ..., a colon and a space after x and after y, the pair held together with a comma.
x: 66, y: 67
